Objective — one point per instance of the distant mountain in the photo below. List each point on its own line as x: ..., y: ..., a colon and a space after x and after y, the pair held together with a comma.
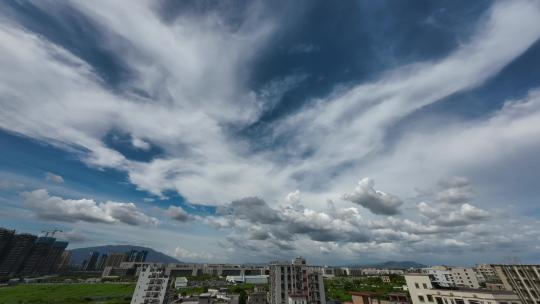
x: 393, y: 265
x: 80, y: 254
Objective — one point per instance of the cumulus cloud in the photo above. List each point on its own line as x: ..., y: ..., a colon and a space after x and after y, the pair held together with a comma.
x: 179, y: 214
x: 451, y: 207
x: 443, y: 216
x: 56, y: 208
x: 456, y: 190
x: 293, y: 198
x: 51, y: 177
x: 185, y: 254
x: 140, y: 144
x: 375, y: 201
x: 254, y: 210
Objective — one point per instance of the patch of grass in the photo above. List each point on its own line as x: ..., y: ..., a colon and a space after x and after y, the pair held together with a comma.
x: 338, y: 288
x: 67, y: 293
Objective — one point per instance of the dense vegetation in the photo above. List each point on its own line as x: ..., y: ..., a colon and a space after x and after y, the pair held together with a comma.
x: 67, y: 293
x: 338, y: 288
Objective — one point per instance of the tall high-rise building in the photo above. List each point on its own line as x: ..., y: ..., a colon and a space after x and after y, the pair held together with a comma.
x: 37, y: 256
x: 524, y: 280
x: 6, y: 237
x: 296, y: 281
x: 17, y: 253
x: 92, y: 261
x: 51, y: 262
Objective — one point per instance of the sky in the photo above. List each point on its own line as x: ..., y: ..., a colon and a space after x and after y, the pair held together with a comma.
x: 348, y: 132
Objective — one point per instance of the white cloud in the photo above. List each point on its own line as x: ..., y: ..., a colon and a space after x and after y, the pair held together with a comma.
x: 56, y: 208
x: 140, y: 144
x: 175, y: 63
x: 376, y: 201
x: 185, y: 254
x: 51, y: 177
x: 179, y: 214
x: 465, y: 214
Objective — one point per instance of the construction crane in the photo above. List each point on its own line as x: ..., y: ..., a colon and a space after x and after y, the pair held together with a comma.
x: 51, y: 232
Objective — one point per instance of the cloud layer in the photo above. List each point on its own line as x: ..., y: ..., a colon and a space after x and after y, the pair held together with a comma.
x: 189, y: 93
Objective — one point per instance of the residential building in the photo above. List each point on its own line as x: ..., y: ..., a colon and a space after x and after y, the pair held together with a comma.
x: 446, y: 276
x: 366, y: 297
x: 328, y: 272
x: 487, y: 272
x: 524, y: 280
x: 422, y: 291
x: 257, y: 296
x: 181, y: 282
x: 37, y: 256
x: 440, y: 276
x: 51, y: 262
x: 464, y: 276
x: 355, y: 272
x: 6, y: 237
x: 291, y: 281
x: 297, y: 299
x: 153, y: 286
x: 17, y: 253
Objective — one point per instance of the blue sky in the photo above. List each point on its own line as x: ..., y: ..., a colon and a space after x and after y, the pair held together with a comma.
x: 232, y: 131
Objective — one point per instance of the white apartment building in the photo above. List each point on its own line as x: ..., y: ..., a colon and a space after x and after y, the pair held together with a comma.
x: 486, y: 272
x: 440, y: 276
x: 294, y: 281
x: 446, y: 276
x: 464, y: 277
x: 422, y: 291
x: 153, y: 286
x: 524, y: 280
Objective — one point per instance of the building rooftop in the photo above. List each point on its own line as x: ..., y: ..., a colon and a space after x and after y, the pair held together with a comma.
x: 475, y: 290
x: 362, y: 293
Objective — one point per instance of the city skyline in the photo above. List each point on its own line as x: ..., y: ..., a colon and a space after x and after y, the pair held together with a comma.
x: 231, y: 131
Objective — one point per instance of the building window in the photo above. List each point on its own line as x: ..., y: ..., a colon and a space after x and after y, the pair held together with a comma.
x: 416, y: 285
x: 430, y: 298
x: 425, y: 285
x: 460, y: 301
x: 421, y: 298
